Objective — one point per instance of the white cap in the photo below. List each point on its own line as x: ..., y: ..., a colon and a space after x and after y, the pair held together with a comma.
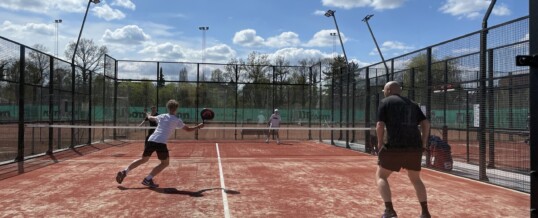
x: 276, y: 110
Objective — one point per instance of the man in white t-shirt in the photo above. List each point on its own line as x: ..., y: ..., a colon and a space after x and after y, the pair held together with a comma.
x: 166, y: 125
x: 274, y: 124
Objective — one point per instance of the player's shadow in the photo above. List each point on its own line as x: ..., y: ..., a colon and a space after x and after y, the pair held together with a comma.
x: 175, y: 191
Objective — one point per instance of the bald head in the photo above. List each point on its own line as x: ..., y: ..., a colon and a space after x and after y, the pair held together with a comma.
x: 392, y: 88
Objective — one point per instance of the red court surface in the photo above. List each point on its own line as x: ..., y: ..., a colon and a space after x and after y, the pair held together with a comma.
x: 294, y: 179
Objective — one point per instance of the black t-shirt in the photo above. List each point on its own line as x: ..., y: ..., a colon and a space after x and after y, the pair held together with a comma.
x: 401, y: 117
x: 152, y: 123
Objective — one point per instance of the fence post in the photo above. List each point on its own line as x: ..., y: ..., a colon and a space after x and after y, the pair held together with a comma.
x: 533, y: 91
x: 367, y: 142
x: 428, y: 94
x: 22, y: 64
x: 51, y: 103
x: 491, y: 108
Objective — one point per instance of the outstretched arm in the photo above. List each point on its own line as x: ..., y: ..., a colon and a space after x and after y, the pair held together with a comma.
x: 192, y: 128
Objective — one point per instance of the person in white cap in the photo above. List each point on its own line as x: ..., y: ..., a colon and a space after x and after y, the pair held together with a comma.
x: 274, y: 124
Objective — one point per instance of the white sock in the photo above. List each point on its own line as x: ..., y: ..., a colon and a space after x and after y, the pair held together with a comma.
x: 126, y: 170
x: 149, y: 177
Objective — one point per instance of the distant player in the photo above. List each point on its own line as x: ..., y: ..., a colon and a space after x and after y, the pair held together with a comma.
x: 274, y: 124
x: 151, y: 123
x: 166, y: 125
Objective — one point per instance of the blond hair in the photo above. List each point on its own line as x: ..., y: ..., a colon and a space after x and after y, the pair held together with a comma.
x: 172, y: 105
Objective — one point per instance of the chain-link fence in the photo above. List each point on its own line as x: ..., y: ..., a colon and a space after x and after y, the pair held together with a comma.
x: 481, y: 114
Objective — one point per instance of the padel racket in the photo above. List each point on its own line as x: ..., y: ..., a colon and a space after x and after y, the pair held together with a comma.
x: 207, y: 114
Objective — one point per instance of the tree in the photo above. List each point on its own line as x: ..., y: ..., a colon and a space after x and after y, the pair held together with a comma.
x: 183, y: 74
x: 418, y: 65
x: 89, y: 56
x: 161, y: 81
x: 38, y: 65
x: 254, y: 70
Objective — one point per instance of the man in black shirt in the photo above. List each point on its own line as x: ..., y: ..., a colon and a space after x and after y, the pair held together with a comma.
x: 404, y: 146
x: 151, y: 123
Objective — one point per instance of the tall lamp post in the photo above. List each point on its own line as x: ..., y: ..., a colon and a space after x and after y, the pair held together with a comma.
x: 57, y: 22
x: 334, y: 44
x: 203, y: 29
x: 73, y: 77
x: 330, y: 13
x: 377, y: 46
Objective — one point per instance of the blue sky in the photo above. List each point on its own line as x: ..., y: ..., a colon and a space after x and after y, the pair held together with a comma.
x: 295, y: 29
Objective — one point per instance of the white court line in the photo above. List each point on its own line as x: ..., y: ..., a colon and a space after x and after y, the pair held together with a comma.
x: 223, y: 187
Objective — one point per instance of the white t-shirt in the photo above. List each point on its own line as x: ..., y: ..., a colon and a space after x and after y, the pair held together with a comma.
x: 274, y: 120
x: 166, y: 125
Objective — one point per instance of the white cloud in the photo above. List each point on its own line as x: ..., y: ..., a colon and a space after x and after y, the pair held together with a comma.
x: 29, y: 28
x: 501, y: 10
x: 319, y: 12
x: 44, y: 7
x: 108, y: 13
x: 386, y: 4
x: 394, y: 47
x: 294, y: 55
x: 124, y: 3
x: 249, y: 38
x: 130, y: 34
x: 525, y: 38
x: 285, y: 39
x: 471, y: 8
x: 219, y: 53
x: 376, y: 4
x: 168, y: 51
x: 165, y: 52
x: 323, y: 38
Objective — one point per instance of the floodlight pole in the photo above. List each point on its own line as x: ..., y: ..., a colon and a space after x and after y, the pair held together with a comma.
x: 203, y: 29
x: 57, y: 22
x: 330, y: 13
x: 334, y: 43
x: 376, y: 45
x: 73, y: 76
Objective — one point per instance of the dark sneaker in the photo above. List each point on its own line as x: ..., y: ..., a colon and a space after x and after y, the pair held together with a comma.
x: 149, y: 183
x: 121, y: 175
x: 389, y: 214
x: 425, y: 215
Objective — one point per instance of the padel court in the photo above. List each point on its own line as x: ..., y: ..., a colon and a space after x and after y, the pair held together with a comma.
x: 249, y: 178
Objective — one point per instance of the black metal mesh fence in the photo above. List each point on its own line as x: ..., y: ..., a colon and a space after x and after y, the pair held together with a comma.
x: 482, y: 117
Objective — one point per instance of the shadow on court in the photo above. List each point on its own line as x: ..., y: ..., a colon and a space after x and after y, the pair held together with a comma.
x: 175, y: 191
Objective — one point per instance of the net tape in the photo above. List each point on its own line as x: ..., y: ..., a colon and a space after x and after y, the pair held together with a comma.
x: 207, y: 127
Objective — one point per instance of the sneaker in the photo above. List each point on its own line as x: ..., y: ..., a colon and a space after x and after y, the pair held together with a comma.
x: 120, y: 176
x: 149, y: 183
x: 389, y: 214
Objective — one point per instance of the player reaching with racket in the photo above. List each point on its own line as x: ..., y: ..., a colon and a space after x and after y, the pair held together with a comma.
x: 166, y: 124
x: 274, y: 124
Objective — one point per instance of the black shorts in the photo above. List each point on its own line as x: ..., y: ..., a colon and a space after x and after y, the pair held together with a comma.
x: 395, y: 160
x: 160, y: 148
